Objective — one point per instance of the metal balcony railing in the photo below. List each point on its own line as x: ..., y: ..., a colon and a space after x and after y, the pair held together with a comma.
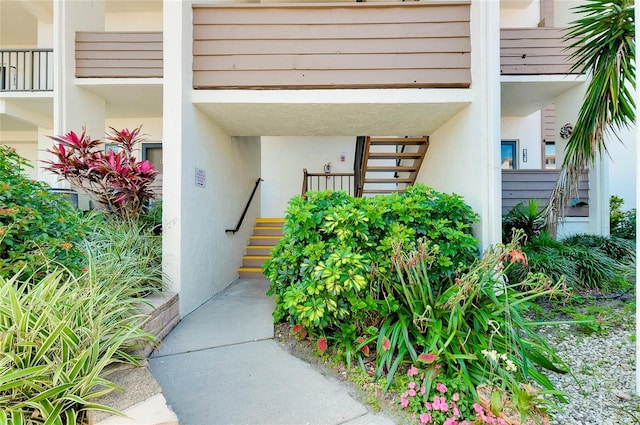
x: 26, y: 70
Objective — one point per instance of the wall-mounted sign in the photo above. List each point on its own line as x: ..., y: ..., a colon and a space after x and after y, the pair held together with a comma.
x: 201, y: 177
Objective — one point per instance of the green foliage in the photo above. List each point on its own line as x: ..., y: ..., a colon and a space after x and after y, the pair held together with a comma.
x: 321, y: 270
x: 56, y: 340
x: 622, y: 224
x: 479, y: 310
x: 126, y: 252
x: 36, y: 227
x: 583, y: 261
x: 527, y: 218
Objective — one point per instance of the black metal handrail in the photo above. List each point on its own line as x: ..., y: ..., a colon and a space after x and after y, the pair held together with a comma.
x: 26, y: 70
x: 246, y: 208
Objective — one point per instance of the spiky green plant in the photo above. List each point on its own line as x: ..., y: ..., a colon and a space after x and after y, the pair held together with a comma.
x: 56, y: 339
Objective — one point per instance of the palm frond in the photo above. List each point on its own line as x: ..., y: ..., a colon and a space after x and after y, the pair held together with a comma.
x: 602, y: 45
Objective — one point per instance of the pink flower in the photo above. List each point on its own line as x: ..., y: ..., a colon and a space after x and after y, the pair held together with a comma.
x: 412, y: 392
x: 478, y: 408
x: 412, y: 385
x: 427, y: 358
x: 455, y: 397
x: 450, y: 421
x: 423, y: 390
x: 404, y: 402
x: 322, y: 345
x: 425, y: 418
x: 428, y: 406
x: 413, y: 371
x: 456, y: 411
x: 441, y: 387
x: 386, y: 344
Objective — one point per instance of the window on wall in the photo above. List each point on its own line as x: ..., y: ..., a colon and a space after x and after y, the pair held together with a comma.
x: 509, y: 154
x: 153, y: 153
x: 549, y: 155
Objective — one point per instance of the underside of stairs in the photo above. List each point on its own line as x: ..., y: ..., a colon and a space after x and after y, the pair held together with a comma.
x: 390, y: 164
x: 266, y: 234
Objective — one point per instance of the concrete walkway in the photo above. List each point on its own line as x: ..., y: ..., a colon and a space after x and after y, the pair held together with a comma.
x: 220, y: 365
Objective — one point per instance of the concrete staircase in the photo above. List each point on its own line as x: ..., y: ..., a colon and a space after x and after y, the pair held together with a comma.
x: 266, y: 234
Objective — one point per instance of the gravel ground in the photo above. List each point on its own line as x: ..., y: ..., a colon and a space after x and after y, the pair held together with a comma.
x: 604, y: 365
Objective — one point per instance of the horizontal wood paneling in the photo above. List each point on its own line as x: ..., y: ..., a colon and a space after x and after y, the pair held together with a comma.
x: 549, y: 123
x: 119, y: 54
x: 530, y: 51
x: 523, y: 185
x: 348, y: 45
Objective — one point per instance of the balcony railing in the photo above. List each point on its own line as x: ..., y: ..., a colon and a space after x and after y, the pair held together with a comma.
x: 332, y: 45
x: 26, y: 70
x: 318, y: 182
x: 119, y: 54
x: 523, y: 185
x: 533, y: 51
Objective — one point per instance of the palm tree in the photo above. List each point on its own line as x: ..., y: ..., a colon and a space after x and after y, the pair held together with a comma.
x: 603, y: 46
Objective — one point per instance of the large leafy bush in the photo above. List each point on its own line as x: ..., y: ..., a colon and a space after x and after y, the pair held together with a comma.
x: 36, y: 226
x: 321, y: 271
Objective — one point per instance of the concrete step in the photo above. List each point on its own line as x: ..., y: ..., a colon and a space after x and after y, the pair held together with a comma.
x: 270, y: 222
x: 267, y: 231
x: 254, y: 260
x: 251, y: 273
x: 264, y: 240
x: 259, y: 249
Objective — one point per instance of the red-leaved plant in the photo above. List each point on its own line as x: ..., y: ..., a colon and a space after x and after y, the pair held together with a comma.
x: 120, y: 182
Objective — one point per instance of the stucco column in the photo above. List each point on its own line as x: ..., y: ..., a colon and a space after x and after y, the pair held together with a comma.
x: 487, y: 65
x: 73, y: 106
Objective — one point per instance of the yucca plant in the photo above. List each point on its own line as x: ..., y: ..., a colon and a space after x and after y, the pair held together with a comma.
x: 56, y: 339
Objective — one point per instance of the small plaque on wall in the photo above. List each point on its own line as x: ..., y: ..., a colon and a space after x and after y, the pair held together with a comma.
x: 201, y: 177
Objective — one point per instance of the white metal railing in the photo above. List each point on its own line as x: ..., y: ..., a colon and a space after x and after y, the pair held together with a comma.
x: 26, y: 70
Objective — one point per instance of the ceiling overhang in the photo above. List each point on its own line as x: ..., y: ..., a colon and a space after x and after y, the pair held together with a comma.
x: 330, y: 112
x: 523, y: 95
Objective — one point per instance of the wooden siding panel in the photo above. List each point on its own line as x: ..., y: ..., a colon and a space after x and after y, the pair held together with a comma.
x: 527, y: 51
x: 523, y: 185
x: 318, y: 78
x: 321, y: 46
x: 355, y: 45
x: 119, y: 54
x: 549, y: 123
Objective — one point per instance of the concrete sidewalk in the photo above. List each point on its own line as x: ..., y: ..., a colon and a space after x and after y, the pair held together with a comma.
x: 220, y: 365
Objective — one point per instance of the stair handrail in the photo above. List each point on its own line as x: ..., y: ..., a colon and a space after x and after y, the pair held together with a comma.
x: 358, y: 165
x: 246, y: 208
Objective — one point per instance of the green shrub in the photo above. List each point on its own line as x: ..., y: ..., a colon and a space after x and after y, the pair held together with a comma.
x: 35, y: 225
x: 527, y: 218
x: 584, y: 261
x: 126, y: 252
x: 57, y: 338
x: 321, y: 269
x: 622, y: 224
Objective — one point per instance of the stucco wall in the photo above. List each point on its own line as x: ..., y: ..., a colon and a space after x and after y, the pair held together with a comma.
x: 199, y: 257
x: 527, y: 131
x: 520, y: 17
x: 283, y: 159
x: 28, y: 150
x: 464, y: 153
